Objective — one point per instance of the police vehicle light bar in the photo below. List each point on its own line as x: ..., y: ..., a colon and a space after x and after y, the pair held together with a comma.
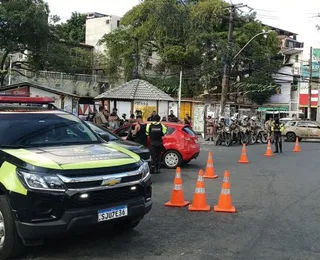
x: 26, y: 100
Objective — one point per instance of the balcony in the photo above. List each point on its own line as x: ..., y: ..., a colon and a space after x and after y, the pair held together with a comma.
x: 290, y: 46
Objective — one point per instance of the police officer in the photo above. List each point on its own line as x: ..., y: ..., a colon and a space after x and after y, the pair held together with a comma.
x: 277, y: 129
x: 156, y: 131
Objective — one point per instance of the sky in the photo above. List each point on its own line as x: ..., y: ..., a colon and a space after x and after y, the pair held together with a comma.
x: 292, y: 15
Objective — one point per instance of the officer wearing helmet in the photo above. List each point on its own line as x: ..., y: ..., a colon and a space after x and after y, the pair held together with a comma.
x: 222, y: 122
x: 245, y: 121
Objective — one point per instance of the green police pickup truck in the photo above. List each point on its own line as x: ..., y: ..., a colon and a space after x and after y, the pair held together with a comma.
x: 58, y: 176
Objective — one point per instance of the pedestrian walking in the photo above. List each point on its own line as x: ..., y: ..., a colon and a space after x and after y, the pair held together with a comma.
x: 156, y: 131
x: 277, y: 129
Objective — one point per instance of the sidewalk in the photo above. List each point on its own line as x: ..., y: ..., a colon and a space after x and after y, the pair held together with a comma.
x: 203, y: 141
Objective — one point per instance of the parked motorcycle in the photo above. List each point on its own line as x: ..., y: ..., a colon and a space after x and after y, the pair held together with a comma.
x: 227, y: 136
x: 244, y: 135
x: 223, y: 136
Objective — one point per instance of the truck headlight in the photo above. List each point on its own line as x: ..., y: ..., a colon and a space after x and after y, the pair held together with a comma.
x: 144, y: 170
x: 37, y: 181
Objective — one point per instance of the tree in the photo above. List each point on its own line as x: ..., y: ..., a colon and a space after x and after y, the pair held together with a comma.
x: 192, y: 36
x: 74, y: 29
x: 23, y: 29
x: 65, y: 51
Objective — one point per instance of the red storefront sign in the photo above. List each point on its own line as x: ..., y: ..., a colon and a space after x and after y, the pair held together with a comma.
x: 304, y: 98
x: 22, y: 92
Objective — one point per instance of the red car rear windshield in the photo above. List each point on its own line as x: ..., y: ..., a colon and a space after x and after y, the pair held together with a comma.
x: 189, y: 131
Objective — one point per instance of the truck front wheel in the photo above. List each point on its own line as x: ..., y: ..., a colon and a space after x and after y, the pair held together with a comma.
x: 10, y: 242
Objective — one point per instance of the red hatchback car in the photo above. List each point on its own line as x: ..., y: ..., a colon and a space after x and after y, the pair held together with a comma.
x: 181, y: 143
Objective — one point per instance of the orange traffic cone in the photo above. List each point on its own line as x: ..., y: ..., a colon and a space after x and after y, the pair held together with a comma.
x: 226, y: 177
x: 210, y: 174
x: 177, y: 196
x: 297, y: 148
x: 243, y: 157
x: 199, y: 202
x: 269, y: 152
x: 225, y: 200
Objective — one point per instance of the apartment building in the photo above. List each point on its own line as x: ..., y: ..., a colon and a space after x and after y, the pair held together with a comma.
x: 287, y: 77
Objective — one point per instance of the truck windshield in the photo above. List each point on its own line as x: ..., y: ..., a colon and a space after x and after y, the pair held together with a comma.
x: 43, y: 129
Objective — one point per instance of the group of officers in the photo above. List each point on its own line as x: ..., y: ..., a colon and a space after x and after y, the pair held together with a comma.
x: 274, y: 127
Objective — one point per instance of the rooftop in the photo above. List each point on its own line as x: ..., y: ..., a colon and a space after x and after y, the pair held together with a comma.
x: 280, y: 31
x: 136, y: 89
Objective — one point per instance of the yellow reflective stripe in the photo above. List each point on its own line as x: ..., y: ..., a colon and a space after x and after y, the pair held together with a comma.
x: 148, y: 129
x: 164, y: 129
x: 9, y: 179
x: 33, y: 158
x: 125, y: 151
x: 98, y: 164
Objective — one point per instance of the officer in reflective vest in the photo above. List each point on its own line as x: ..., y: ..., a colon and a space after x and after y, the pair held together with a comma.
x: 277, y: 129
x: 156, y: 131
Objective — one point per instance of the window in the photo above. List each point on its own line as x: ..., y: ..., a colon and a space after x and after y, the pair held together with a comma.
x: 297, y: 58
x: 123, y: 132
x: 99, y: 130
x: 118, y: 23
x: 189, y: 131
x: 170, y: 130
x: 302, y: 124
x: 291, y: 123
x: 44, y: 129
x: 313, y: 125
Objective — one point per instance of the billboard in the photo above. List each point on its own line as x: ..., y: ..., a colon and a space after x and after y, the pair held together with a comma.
x: 305, y: 68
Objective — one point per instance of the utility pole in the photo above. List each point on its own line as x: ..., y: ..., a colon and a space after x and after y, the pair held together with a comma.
x: 227, y: 64
x: 136, y: 76
x: 10, y: 69
x: 179, y: 93
x: 310, y: 84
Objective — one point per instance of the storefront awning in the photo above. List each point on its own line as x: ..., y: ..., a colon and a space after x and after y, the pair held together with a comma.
x: 271, y: 109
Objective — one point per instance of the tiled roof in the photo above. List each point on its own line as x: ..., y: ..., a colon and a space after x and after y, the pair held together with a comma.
x: 136, y: 89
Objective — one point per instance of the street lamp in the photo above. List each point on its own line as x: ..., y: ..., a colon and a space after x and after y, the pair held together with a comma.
x: 10, y: 68
x: 226, y: 73
x: 265, y: 35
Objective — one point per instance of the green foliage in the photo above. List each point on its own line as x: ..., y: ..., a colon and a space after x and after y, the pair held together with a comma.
x: 259, y: 87
x: 23, y: 27
x: 74, y: 29
x: 192, y: 36
x: 64, y: 53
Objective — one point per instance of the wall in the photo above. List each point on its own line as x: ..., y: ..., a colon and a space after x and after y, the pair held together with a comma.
x: 124, y: 107
x: 34, y: 92
x: 173, y: 106
x: 96, y: 28
x: 186, y: 108
x: 285, y: 95
x: 163, y: 109
x: 68, y: 104
x: 198, y: 118
x: 145, y: 106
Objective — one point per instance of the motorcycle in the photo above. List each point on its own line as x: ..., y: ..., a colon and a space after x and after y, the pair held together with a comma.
x: 244, y: 135
x: 262, y: 136
x: 227, y: 136
x: 223, y: 136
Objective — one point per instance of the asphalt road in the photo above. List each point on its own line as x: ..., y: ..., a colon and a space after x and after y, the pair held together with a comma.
x: 278, y: 214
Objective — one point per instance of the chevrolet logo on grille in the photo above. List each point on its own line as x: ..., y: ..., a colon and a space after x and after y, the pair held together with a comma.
x: 111, y: 182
